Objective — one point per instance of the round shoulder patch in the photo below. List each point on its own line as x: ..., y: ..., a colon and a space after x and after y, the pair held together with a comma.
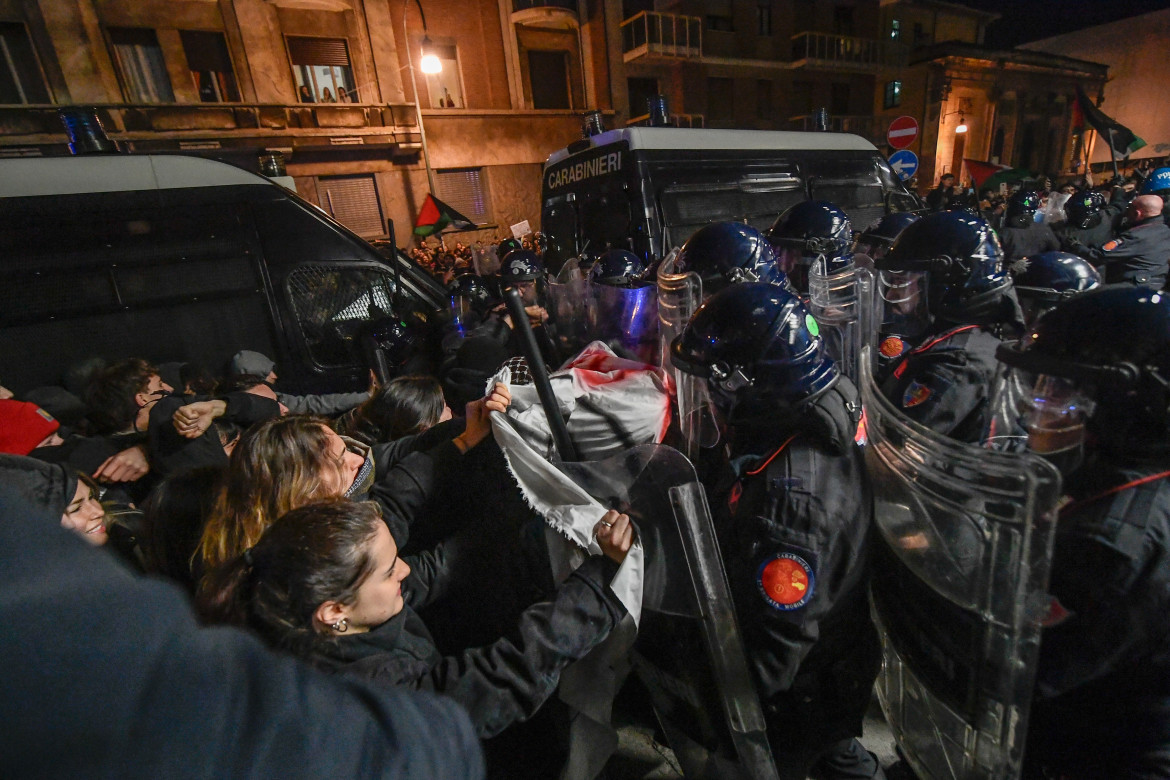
x: 892, y: 346
x: 785, y: 581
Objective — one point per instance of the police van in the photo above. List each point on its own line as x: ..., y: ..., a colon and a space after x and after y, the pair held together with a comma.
x: 170, y: 257
x: 647, y: 189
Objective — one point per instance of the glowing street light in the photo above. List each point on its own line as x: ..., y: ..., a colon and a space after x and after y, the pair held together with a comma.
x: 962, y: 128
x: 430, y: 63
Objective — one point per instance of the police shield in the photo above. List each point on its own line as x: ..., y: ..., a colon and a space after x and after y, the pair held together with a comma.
x: 689, y: 653
x: 833, y: 302
x: 679, y: 295
x: 626, y: 319
x: 958, y: 588
x: 568, y: 322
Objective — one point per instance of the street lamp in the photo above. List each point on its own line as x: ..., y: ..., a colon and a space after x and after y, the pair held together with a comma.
x: 962, y: 128
x: 429, y: 64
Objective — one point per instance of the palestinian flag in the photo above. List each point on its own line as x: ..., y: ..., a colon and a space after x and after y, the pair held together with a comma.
x: 981, y: 171
x: 436, y: 215
x: 1122, y: 138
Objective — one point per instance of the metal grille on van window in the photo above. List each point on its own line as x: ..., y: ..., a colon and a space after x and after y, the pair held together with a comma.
x: 333, y: 303
x: 353, y: 201
x: 464, y: 190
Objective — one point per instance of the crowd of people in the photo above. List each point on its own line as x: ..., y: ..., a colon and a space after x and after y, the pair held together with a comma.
x: 379, y: 538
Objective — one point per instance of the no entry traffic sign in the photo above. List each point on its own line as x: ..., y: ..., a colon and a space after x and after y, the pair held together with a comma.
x: 903, y: 131
x: 904, y: 163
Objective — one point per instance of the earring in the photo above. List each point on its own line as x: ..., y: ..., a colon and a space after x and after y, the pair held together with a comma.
x: 341, y: 626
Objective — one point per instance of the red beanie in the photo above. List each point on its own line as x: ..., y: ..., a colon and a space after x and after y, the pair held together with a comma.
x: 23, y: 426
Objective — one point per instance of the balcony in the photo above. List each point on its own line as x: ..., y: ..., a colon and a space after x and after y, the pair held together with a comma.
x: 871, y: 128
x: 650, y: 35
x: 676, y: 120
x: 558, y: 14
x: 844, y: 52
x: 210, y: 126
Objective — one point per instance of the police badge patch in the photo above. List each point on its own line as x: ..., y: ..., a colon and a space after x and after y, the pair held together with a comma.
x: 786, y: 581
x: 915, y: 394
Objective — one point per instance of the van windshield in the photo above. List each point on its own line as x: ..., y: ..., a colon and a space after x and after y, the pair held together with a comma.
x: 755, y: 199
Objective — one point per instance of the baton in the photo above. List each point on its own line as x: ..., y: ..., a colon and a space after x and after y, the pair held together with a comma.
x: 552, y: 411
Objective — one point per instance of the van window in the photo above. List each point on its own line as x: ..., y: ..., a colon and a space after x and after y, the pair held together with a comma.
x: 332, y: 304
x: 854, y: 185
x: 605, y: 218
x: 755, y: 198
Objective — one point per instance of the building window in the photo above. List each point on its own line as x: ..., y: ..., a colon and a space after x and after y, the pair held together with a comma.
x: 20, y: 75
x: 210, y: 66
x: 802, y: 98
x: 465, y: 190
x: 895, y: 29
x: 893, y: 94
x: 548, y: 73
x: 763, y: 99
x: 921, y: 37
x: 764, y: 18
x: 720, y: 23
x: 353, y: 201
x: 720, y: 98
x: 322, y: 70
x: 640, y: 91
x: 445, y: 87
x: 141, y: 66
x: 843, y: 20
x: 839, y: 99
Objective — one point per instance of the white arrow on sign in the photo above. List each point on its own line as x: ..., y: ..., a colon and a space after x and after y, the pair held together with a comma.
x: 902, y: 165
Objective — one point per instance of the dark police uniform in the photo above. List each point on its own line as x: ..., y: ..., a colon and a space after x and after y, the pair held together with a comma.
x: 1102, y: 706
x: 945, y: 384
x: 1027, y: 241
x: 794, y: 530
x: 1138, y: 255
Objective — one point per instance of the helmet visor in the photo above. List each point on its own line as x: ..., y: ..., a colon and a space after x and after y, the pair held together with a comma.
x: 1040, y: 413
x: 904, y: 302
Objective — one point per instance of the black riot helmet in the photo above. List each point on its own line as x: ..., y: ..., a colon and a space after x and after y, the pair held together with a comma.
x: 507, y: 246
x: 1082, y: 207
x: 758, y: 348
x: 1044, y: 280
x: 810, y: 231
x: 1021, y: 208
x: 961, y: 265
x: 472, y: 289
x: 1101, y: 361
x: 876, y: 239
x: 724, y: 253
x: 520, y: 265
x: 619, y: 268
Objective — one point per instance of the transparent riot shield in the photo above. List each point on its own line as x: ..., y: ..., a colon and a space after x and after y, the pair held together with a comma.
x: 958, y: 588
x: 626, y: 319
x: 833, y: 302
x: 568, y: 305
x: 688, y: 653
x: 679, y: 295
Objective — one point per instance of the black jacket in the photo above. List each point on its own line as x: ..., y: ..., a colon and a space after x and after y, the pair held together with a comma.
x: 502, y: 683
x: 1102, y: 703
x: 1138, y: 255
x: 171, y: 453
x: 1034, y: 239
x: 107, y: 675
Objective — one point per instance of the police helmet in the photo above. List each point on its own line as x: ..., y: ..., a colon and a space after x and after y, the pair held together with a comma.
x: 397, y: 341
x: 757, y: 347
x: 1082, y: 206
x: 520, y: 265
x: 1112, y: 345
x: 876, y: 239
x: 816, y: 228
x: 507, y: 246
x: 963, y: 264
x: 1054, y: 276
x: 1022, y: 206
x: 724, y: 253
x: 619, y: 268
x: 1157, y: 183
x: 472, y: 288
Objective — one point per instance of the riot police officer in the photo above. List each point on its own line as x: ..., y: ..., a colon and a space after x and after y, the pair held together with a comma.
x: 724, y: 253
x: 1158, y: 183
x: 1140, y: 253
x: 812, y: 231
x: 1022, y: 235
x: 624, y: 310
x: 793, y: 519
x: 1087, y: 222
x: 945, y: 294
x: 1092, y: 387
x: 1043, y: 281
x: 877, y: 239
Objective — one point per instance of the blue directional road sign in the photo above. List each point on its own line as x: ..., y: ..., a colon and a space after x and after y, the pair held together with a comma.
x: 904, y: 163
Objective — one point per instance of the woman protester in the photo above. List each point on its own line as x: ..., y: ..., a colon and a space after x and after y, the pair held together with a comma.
x: 406, y: 406
x: 326, y: 582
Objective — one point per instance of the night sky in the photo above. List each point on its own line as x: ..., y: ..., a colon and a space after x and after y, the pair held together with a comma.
x: 1030, y: 20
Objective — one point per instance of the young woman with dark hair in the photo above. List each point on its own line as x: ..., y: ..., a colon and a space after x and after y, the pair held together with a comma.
x: 406, y: 405
x: 325, y: 582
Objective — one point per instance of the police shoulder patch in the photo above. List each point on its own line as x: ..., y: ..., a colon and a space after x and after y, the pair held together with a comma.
x: 892, y: 346
x: 1111, y: 245
x: 786, y: 581
x: 916, y: 393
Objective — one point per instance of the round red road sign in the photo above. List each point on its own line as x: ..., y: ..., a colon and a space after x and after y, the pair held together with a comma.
x: 903, y: 132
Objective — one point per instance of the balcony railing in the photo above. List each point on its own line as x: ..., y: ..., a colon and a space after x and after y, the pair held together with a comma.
x: 653, y: 34
x: 676, y: 120
x: 867, y: 126
x: 823, y: 50
x: 527, y: 5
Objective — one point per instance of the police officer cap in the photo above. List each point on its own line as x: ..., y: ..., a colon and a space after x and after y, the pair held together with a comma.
x: 521, y: 265
x: 756, y: 341
x: 471, y: 287
x: 1054, y: 276
x: 619, y: 268
x: 1115, y: 341
x: 1157, y: 182
x: 815, y: 227
x: 1082, y: 206
x: 724, y: 253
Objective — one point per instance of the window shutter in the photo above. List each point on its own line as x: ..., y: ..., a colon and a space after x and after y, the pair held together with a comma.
x: 318, y: 51
x: 465, y: 191
x: 353, y: 201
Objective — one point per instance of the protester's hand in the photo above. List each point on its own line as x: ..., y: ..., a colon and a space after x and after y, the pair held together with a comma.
x: 477, y: 414
x: 615, y: 534
x: 129, y: 465
x: 193, y: 420
x: 537, y: 315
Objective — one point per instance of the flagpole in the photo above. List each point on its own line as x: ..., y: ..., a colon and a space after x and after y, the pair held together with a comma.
x: 1113, y: 155
x: 422, y: 131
